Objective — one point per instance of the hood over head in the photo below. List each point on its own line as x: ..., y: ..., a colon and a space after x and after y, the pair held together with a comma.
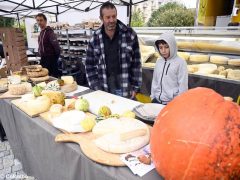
x: 169, y: 38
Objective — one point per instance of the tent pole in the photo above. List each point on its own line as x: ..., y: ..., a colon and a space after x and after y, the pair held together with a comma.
x: 130, y: 12
x: 18, y: 19
x: 56, y: 15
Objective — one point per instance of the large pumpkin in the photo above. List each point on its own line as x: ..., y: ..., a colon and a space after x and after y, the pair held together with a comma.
x: 197, y: 136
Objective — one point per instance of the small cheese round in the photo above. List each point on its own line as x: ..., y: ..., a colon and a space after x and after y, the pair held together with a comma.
x: 17, y: 89
x: 234, y: 75
x: 56, y: 108
x: 67, y: 79
x: 219, y: 59
x: 42, y: 73
x: 234, y: 62
x: 184, y: 55
x: 199, y: 58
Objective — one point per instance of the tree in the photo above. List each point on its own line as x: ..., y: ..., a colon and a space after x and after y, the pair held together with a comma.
x: 172, y: 14
x: 6, y: 22
x: 137, y: 19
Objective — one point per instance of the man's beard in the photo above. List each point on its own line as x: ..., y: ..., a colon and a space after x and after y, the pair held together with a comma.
x: 111, y: 26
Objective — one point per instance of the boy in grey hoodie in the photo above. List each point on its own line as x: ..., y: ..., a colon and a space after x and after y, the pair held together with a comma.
x: 170, y: 77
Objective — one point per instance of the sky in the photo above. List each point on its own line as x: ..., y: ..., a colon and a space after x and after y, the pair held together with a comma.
x: 188, y: 3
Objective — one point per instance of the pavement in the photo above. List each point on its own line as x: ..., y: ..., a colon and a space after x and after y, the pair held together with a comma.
x: 10, y: 168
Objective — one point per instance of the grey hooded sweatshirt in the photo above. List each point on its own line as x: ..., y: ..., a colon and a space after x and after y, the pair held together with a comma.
x: 170, y: 77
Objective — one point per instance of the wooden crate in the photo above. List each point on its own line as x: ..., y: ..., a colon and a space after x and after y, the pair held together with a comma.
x: 14, y: 48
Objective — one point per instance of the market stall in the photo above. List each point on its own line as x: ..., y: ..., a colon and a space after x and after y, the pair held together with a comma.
x: 43, y: 158
x: 43, y: 114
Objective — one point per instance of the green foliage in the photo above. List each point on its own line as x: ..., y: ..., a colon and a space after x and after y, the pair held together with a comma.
x: 172, y: 14
x: 6, y: 22
x: 137, y: 19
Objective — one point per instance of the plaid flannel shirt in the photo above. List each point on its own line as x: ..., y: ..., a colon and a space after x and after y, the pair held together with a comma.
x: 130, y: 61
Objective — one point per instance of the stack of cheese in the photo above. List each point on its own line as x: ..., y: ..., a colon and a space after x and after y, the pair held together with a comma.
x: 36, y: 73
x: 121, y: 135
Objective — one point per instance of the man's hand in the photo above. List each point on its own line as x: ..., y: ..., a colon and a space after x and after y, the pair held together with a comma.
x: 133, y: 95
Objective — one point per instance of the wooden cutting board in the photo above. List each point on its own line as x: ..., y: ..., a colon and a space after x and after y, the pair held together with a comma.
x: 7, y: 95
x: 117, y: 104
x: 86, y: 142
x: 21, y: 105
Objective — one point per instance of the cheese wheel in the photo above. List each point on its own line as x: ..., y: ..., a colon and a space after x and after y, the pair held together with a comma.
x: 121, y: 135
x: 40, y: 79
x: 33, y: 68
x: 69, y: 87
x: 39, y: 105
x: 56, y: 109
x: 17, y: 89
x: 192, y: 68
x: 67, y: 79
x: 184, y: 55
x: 234, y: 75
x: 234, y: 62
x: 206, y: 46
x: 150, y: 65
x: 28, y: 86
x: 199, y: 58
x: 42, y: 73
x: 219, y: 59
x: 206, y: 69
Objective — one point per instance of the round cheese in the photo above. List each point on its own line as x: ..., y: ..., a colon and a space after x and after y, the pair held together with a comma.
x: 199, y: 58
x: 28, y: 86
x: 33, y: 68
x: 42, y: 73
x: 219, y: 59
x: 192, y: 68
x: 40, y: 79
x: 67, y: 79
x: 184, y: 55
x: 234, y: 62
x: 121, y: 135
x: 234, y: 75
x: 206, y: 68
x: 67, y: 88
x: 39, y: 105
x: 17, y: 89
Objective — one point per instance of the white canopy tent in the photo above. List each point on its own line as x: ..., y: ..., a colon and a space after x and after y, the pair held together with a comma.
x: 28, y: 8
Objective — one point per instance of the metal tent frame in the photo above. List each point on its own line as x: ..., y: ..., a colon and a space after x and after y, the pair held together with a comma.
x: 28, y: 8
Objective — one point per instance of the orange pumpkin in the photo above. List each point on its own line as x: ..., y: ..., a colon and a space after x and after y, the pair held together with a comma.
x: 197, y: 136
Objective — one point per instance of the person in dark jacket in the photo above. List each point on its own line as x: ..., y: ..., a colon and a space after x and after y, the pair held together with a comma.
x: 48, y: 46
x: 113, y: 62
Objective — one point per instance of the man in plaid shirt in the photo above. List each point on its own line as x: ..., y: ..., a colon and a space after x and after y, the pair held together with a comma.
x: 113, y: 61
